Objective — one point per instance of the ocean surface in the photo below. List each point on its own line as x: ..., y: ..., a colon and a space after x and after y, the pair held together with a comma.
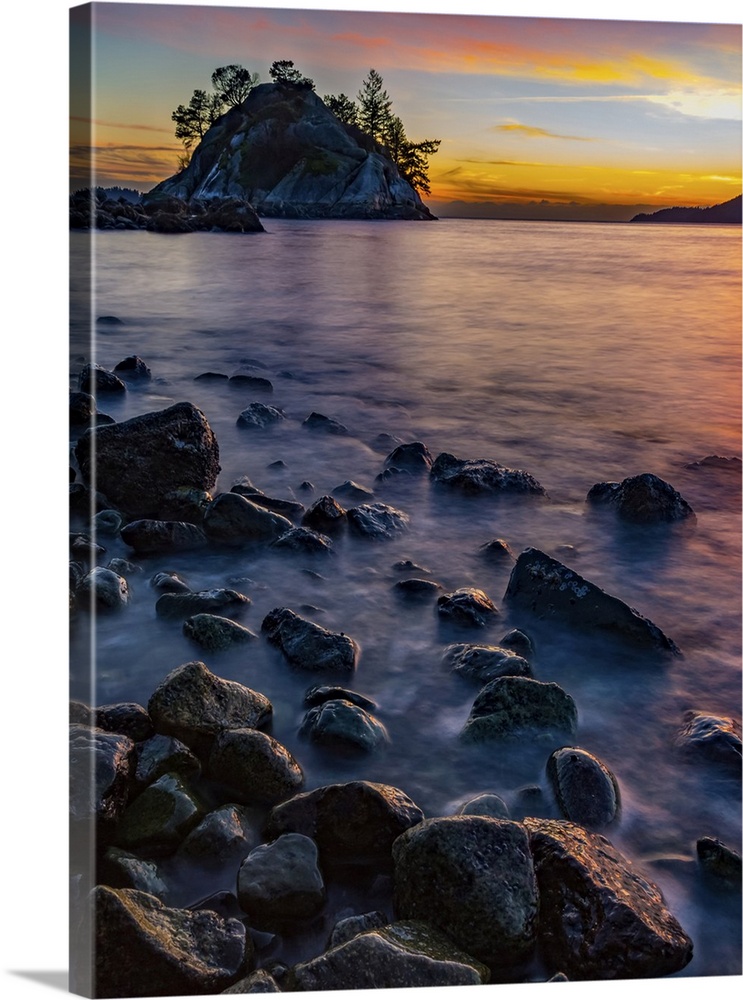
x: 578, y: 352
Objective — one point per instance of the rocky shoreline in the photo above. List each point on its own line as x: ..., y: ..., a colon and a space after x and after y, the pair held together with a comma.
x: 530, y: 890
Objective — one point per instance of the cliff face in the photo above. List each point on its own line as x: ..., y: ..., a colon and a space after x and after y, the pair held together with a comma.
x: 729, y: 212
x: 287, y: 154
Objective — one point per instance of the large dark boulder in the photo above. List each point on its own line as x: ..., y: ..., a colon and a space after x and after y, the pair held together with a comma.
x: 308, y: 646
x: 160, y: 817
x: 182, y: 605
x: 481, y: 477
x: 644, y: 499
x: 586, y: 790
x: 485, y: 663
x: 716, y: 738
x: 280, y: 882
x: 144, y: 949
x: 549, y: 590
x: 149, y: 536
x: 100, y: 767
x: 377, y: 521
x: 214, y: 632
x: 471, y: 877
x: 232, y: 215
x: 99, y: 381
x: 467, y: 607
x: 234, y: 520
x: 255, y: 766
x: 509, y: 708
x: 353, y: 822
x: 600, y: 918
x: 136, y: 462
x: 414, y: 457
x: 339, y: 724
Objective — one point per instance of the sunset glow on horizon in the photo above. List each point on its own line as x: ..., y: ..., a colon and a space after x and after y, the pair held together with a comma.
x: 528, y: 110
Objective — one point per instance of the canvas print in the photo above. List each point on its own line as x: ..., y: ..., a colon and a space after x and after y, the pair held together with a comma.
x: 405, y: 470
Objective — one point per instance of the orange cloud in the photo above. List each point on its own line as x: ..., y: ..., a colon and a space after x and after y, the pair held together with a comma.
x: 538, y: 133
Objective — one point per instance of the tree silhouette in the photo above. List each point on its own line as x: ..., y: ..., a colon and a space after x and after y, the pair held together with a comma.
x: 233, y: 83
x: 283, y: 71
x: 192, y: 121
x: 374, y: 112
x: 343, y: 107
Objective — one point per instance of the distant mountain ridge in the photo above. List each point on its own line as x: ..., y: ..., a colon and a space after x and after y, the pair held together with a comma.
x: 729, y: 213
x: 284, y: 151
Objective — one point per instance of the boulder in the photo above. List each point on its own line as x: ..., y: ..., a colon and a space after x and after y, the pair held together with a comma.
x: 308, y: 646
x: 497, y: 551
x: 107, y: 522
x: 143, y: 948
x: 290, y: 509
x: 407, y: 953
x: 721, y: 863
x: 254, y: 383
x: 416, y: 588
x: 232, y: 215
x: 158, y: 819
x: 214, y: 633
x: 586, y: 790
x: 511, y: 708
x: 349, y: 927
x: 255, y: 766
x: 549, y: 590
x: 485, y: 663
x: 377, y: 521
x: 352, y: 492
x: 486, y: 804
x: 161, y: 755
x: 341, y: 725
x: 644, y: 499
x: 518, y: 642
x: 82, y: 409
x: 481, y: 477
x: 151, y: 536
x: 319, y: 693
x: 413, y: 457
x: 280, y: 882
x: 136, y: 462
x: 325, y: 515
x: 259, y: 981
x: 170, y: 583
x: 259, y: 415
x: 231, y: 519
x: 222, y: 835
x: 103, y: 589
x: 717, y: 738
x: 353, y: 822
x: 600, y: 918
x: 185, y: 503
x: 181, y: 605
x: 471, y: 877
x: 133, y: 368
x: 195, y: 705
x: 467, y: 607
x: 98, y: 381
x: 125, y: 717
x: 324, y: 425
x: 304, y: 540
x: 100, y: 768
x: 126, y: 871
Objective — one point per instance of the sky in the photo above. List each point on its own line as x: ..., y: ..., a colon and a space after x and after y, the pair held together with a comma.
x: 566, y: 114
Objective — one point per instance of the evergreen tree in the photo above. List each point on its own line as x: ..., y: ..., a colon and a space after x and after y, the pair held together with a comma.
x: 233, y: 83
x: 283, y: 71
x: 343, y: 107
x: 374, y: 112
x: 192, y: 121
x: 410, y: 158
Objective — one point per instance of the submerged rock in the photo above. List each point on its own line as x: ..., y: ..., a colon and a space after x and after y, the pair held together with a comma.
x: 485, y: 663
x: 304, y: 540
x: 231, y: 519
x: 308, y: 646
x: 340, y: 724
x: 510, y: 708
x: 377, y: 521
x: 255, y: 766
x: 416, y: 588
x: 280, y: 882
x: 586, y: 790
x: 549, y: 590
x: 413, y: 457
x: 213, y: 632
x: 319, y: 693
x: 600, y: 918
x: 104, y: 589
x: 467, y: 607
x: 717, y: 738
x: 148, y: 536
x: 143, y: 948
x: 353, y: 492
x: 497, y: 550
x: 325, y: 515
x: 519, y: 642
x: 133, y: 368
x: 136, y: 462
x: 486, y: 804
x: 255, y: 383
x: 480, y: 477
x: 98, y: 381
x: 325, y: 425
x: 259, y: 415
x: 720, y: 862
x: 644, y: 499
x: 471, y: 877
x: 407, y: 953
x: 182, y: 605
x: 353, y: 822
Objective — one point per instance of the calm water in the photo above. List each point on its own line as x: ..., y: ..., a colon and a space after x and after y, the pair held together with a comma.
x: 580, y: 353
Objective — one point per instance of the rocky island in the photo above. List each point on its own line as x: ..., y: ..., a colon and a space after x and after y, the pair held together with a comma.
x: 728, y: 213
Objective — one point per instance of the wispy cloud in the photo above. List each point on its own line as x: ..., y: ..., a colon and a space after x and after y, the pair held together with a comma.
x: 122, y: 125
x: 533, y: 132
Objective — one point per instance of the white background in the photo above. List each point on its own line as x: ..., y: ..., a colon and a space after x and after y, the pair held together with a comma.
x: 33, y: 457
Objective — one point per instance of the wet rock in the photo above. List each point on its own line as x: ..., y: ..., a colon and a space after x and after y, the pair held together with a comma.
x: 471, y: 877
x: 100, y: 766
x: 104, y: 589
x: 378, y: 521
x: 644, y: 499
x: 479, y: 477
x: 183, y: 604
x: 255, y: 766
x: 125, y: 717
x: 84, y: 549
x: 170, y: 583
x: 486, y: 804
x: 82, y: 409
x: 385, y: 441
x: 80, y: 712
x: 143, y: 948
x: 99, y: 381
x: 161, y: 755
x: 133, y: 368
x: 319, y: 693
x: 231, y: 519
x: 280, y: 882
x: 290, y: 509
x: 497, y: 550
x: 586, y: 790
x: 356, y: 821
x: 717, y: 462
x: 304, y: 540
x: 325, y: 425
x: 126, y: 871
x: 222, y: 835
x: 549, y: 590
x: 511, y: 708
x: 416, y: 589
x: 83, y: 500
x: 214, y: 633
x: 122, y: 567
x: 349, y: 927
x: 485, y: 663
x: 408, y: 566
x: 413, y: 457
x: 718, y: 738
x: 407, y: 953
x: 353, y: 492
x: 211, y: 377
x: 194, y: 705
x: 259, y: 415
x: 530, y: 800
x: 719, y: 862
x: 600, y: 918
x: 107, y: 522
x: 185, y: 503
x: 519, y: 642
x: 259, y: 981
x: 150, y: 536
x: 136, y: 462
x: 325, y: 515
x: 232, y: 215
x: 392, y: 476
x: 306, y: 486
x: 344, y: 726
x: 255, y: 383
x: 159, y: 817
x: 308, y: 646
x: 467, y: 607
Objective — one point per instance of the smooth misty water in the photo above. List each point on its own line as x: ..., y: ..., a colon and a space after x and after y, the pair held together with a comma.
x: 580, y: 353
